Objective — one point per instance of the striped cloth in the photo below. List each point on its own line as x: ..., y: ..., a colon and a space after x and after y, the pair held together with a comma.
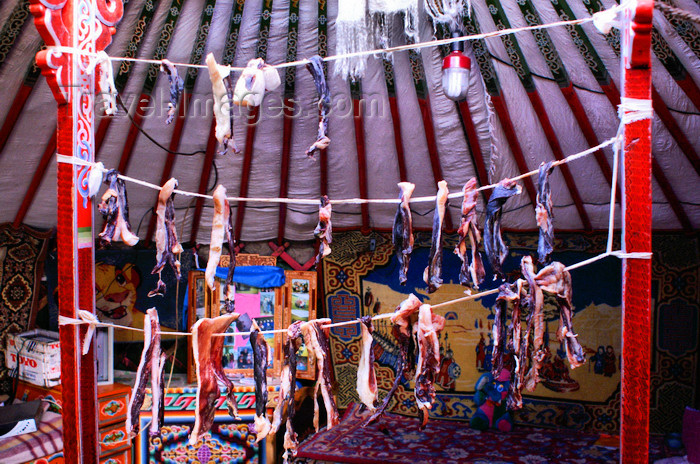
x: 29, y: 446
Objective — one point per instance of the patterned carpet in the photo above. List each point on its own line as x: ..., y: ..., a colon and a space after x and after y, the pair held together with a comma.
x: 397, y: 439
x: 22, y: 253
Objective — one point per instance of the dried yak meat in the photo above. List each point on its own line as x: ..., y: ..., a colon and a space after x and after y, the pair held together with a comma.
x: 403, y: 319
x: 315, y: 67
x: 473, y: 272
x: 208, y: 350
x: 222, y: 89
x: 151, y: 366
x: 543, y: 214
x: 427, y: 329
x: 115, y: 211
x: 496, y: 249
x: 366, y: 377
x: 324, y: 229
x: 285, y: 402
x: 402, y: 231
x: 260, y: 362
x: 167, y: 245
x: 433, y: 272
x: 221, y: 228
x: 316, y: 340
x: 176, y: 86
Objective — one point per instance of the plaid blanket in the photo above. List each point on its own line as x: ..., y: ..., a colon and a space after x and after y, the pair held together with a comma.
x: 47, y: 440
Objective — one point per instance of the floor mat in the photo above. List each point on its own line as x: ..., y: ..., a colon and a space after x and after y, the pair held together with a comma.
x: 398, y: 439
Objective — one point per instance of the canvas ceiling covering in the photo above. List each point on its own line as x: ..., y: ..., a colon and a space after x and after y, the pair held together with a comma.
x: 36, y: 123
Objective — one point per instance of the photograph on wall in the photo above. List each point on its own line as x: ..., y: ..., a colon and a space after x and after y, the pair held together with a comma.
x: 252, y: 304
x: 300, y: 312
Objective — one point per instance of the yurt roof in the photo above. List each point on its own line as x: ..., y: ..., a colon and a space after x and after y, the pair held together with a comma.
x: 534, y: 97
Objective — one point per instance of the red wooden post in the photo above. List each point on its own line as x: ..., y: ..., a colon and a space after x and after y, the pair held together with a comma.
x: 636, y: 284
x: 86, y: 25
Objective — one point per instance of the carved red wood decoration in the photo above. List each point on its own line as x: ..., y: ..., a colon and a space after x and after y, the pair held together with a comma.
x: 636, y: 286
x: 86, y: 26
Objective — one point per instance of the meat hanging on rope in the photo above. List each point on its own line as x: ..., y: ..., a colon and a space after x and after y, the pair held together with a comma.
x: 260, y: 362
x: 555, y: 279
x: 543, y: 214
x: 221, y: 228
x: 366, y: 377
x: 208, y: 350
x: 315, y: 67
x: 404, y: 316
x: 402, y: 232
x: 115, y: 211
x: 324, y: 229
x: 151, y: 366
x: 470, y: 273
x: 433, y: 272
x: 427, y: 330
x: 515, y: 345
x: 176, y: 87
x: 167, y: 245
x: 500, y: 327
x: 222, y: 89
x: 535, y: 302
x: 496, y: 249
x: 286, y: 391
x: 316, y: 340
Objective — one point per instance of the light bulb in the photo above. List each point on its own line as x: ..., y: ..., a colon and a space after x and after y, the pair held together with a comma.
x: 455, y: 75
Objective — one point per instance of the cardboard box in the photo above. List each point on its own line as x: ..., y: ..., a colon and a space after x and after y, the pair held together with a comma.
x: 39, y: 356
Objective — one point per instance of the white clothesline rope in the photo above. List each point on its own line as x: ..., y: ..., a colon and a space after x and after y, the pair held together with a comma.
x: 83, y: 319
x: 308, y: 201
x: 398, y: 48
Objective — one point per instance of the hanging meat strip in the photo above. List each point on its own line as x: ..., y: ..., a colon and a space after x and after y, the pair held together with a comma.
x: 404, y: 316
x: 433, y: 273
x: 315, y: 67
x: 286, y: 392
x: 543, y: 214
x: 151, y: 365
x: 535, y: 302
x: 496, y: 249
x: 366, y: 377
x: 470, y: 273
x: 402, y: 232
x: 427, y: 330
x: 260, y: 355
x: 221, y: 228
x: 324, y: 229
x: 316, y: 339
x: 176, y: 87
x: 515, y: 345
x: 222, y: 88
x: 167, y: 245
x: 115, y: 211
x: 556, y: 279
x: 207, y: 351
x: 500, y: 329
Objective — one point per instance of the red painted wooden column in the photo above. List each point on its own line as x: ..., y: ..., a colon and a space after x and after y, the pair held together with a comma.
x: 636, y: 283
x: 71, y: 23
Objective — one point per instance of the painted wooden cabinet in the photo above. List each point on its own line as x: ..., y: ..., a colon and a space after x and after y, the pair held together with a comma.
x: 111, y: 412
x: 229, y: 440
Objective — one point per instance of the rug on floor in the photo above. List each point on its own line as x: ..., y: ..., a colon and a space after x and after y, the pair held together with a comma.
x: 398, y: 439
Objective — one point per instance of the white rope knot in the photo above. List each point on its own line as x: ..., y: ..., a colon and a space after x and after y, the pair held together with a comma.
x: 84, y: 317
x: 605, y: 20
x: 634, y: 109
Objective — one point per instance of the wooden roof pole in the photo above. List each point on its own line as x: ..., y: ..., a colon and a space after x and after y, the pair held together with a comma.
x: 183, y: 105
x: 636, y: 223
x: 64, y: 24
x: 252, y: 119
x: 229, y: 54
